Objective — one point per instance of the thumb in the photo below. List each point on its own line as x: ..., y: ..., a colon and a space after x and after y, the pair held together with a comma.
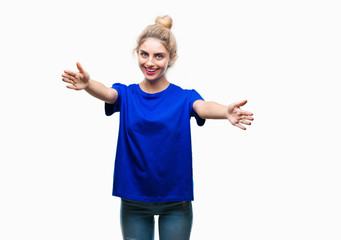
x: 242, y: 103
x: 80, y: 68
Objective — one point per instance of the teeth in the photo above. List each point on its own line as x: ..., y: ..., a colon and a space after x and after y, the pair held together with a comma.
x: 151, y: 70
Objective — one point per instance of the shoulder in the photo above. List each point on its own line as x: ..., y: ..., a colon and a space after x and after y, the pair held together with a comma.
x: 185, y: 92
x: 179, y: 89
x: 120, y: 87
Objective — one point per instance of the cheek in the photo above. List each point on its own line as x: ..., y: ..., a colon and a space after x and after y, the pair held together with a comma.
x: 140, y: 62
x: 165, y: 64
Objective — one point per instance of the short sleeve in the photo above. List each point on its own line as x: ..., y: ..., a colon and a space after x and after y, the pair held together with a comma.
x: 116, y: 107
x: 194, y: 97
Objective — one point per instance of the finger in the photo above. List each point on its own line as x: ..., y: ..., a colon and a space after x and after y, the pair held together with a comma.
x: 247, y: 118
x: 240, y: 126
x: 71, y: 87
x: 67, y: 80
x: 80, y: 68
x: 245, y: 122
x: 71, y: 73
x: 246, y: 113
x: 242, y: 103
x: 69, y: 77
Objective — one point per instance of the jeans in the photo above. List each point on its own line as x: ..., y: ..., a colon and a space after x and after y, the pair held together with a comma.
x: 137, y: 220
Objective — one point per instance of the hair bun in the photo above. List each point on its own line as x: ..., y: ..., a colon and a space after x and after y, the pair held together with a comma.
x: 165, y: 21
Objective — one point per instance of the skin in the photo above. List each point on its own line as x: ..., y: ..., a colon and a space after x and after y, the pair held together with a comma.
x: 153, y: 55
x: 154, y: 60
x: 232, y: 112
x: 81, y: 80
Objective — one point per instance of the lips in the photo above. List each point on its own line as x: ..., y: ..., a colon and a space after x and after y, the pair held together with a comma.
x: 151, y: 71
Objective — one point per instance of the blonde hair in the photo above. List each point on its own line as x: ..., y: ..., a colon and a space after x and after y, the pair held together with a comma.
x: 160, y: 30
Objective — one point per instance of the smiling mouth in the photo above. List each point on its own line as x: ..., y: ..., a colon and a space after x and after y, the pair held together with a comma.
x: 151, y: 71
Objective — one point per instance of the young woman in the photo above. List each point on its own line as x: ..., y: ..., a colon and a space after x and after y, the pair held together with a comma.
x: 153, y: 166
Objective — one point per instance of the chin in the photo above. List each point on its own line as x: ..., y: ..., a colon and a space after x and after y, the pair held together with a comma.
x: 151, y: 79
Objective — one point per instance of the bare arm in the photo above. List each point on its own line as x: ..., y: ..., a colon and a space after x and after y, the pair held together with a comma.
x: 98, y: 90
x: 81, y: 80
x: 232, y: 112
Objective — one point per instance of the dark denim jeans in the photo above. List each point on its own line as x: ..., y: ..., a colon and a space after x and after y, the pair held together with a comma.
x: 137, y: 220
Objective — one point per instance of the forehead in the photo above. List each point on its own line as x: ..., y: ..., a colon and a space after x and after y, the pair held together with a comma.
x: 153, y: 45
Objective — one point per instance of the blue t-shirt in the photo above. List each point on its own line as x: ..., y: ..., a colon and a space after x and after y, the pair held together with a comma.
x: 154, y: 153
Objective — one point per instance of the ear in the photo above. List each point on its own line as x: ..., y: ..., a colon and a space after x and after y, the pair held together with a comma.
x: 172, y: 60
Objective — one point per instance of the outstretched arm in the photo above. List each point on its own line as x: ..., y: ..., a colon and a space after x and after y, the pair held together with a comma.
x: 232, y: 112
x: 81, y: 80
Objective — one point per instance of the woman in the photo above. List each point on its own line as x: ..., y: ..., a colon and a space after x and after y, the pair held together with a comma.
x: 153, y: 166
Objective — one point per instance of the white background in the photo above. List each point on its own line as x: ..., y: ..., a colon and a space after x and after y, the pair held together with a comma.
x: 280, y: 179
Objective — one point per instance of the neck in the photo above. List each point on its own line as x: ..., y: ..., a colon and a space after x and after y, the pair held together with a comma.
x: 154, y: 86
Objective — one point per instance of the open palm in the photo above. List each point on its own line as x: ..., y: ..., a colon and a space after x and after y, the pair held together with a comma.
x: 77, y: 80
x: 237, y: 116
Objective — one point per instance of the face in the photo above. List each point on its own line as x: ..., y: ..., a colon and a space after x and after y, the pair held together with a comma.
x: 154, y: 59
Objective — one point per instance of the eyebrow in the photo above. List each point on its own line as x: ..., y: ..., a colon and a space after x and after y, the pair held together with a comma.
x: 160, y: 53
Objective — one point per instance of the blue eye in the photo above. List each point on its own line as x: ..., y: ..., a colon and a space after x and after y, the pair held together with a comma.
x: 159, y: 56
x: 144, y: 54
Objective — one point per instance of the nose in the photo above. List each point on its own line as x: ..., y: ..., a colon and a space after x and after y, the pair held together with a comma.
x: 150, y: 62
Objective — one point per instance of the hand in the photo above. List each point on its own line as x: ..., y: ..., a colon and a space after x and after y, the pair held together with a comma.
x: 237, y: 117
x: 78, y: 80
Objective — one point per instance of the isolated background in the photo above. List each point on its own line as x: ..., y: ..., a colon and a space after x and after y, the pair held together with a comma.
x: 280, y: 179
